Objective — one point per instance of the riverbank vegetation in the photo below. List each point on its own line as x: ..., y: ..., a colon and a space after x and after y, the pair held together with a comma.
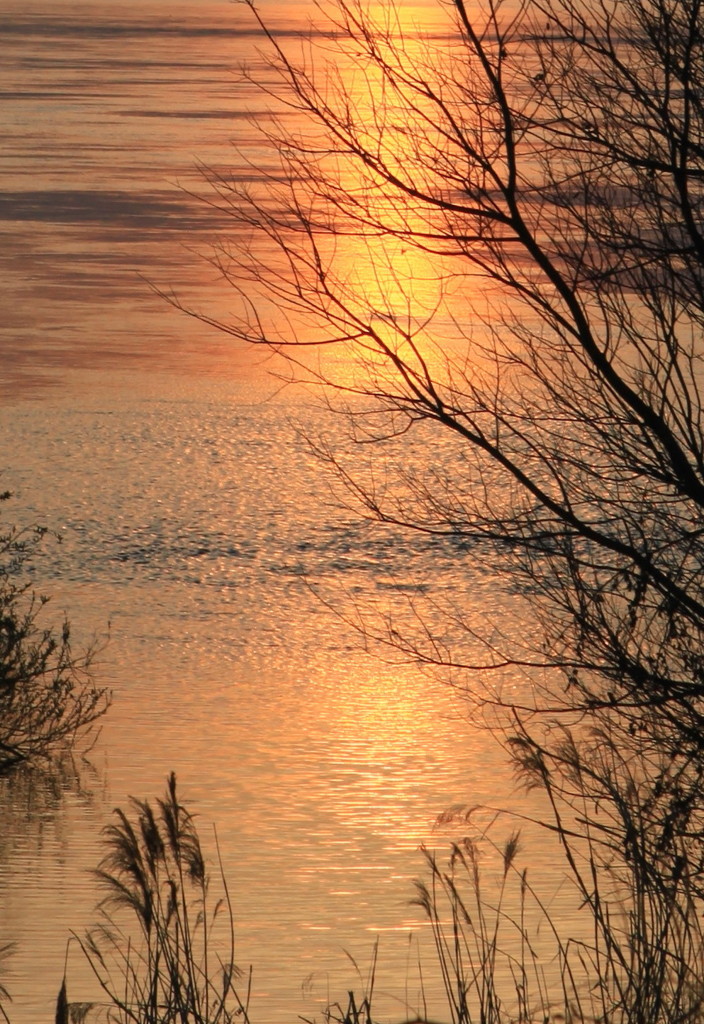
x: 489, y: 238
x: 47, y: 693
x: 163, y: 949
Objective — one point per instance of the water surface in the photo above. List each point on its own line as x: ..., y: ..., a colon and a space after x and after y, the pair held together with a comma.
x: 198, y: 530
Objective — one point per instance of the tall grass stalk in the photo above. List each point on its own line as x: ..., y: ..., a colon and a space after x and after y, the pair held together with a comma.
x: 492, y: 966
x: 169, y: 968
x: 631, y: 848
x: 499, y: 954
x: 630, y: 828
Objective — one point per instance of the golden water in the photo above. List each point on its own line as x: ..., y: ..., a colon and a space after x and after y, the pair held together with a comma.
x: 193, y: 521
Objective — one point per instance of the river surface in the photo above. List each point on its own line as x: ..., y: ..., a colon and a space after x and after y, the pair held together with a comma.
x: 199, y: 532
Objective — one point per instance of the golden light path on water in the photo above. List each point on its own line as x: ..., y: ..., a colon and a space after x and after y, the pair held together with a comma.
x: 197, y: 524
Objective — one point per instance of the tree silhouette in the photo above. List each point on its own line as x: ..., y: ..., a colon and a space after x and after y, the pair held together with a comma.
x: 497, y: 219
x: 552, y: 154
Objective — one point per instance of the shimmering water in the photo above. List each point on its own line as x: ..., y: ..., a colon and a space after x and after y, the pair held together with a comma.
x: 197, y: 528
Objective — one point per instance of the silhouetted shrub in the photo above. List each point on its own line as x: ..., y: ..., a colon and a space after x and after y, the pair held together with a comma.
x: 47, y: 691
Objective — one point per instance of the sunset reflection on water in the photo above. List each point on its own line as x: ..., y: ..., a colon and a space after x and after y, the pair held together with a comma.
x: 197, y: 523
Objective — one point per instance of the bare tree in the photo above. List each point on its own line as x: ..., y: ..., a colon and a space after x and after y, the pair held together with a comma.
x: 500, y: 222
x: 47, y: 693
x: 498, y: 219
